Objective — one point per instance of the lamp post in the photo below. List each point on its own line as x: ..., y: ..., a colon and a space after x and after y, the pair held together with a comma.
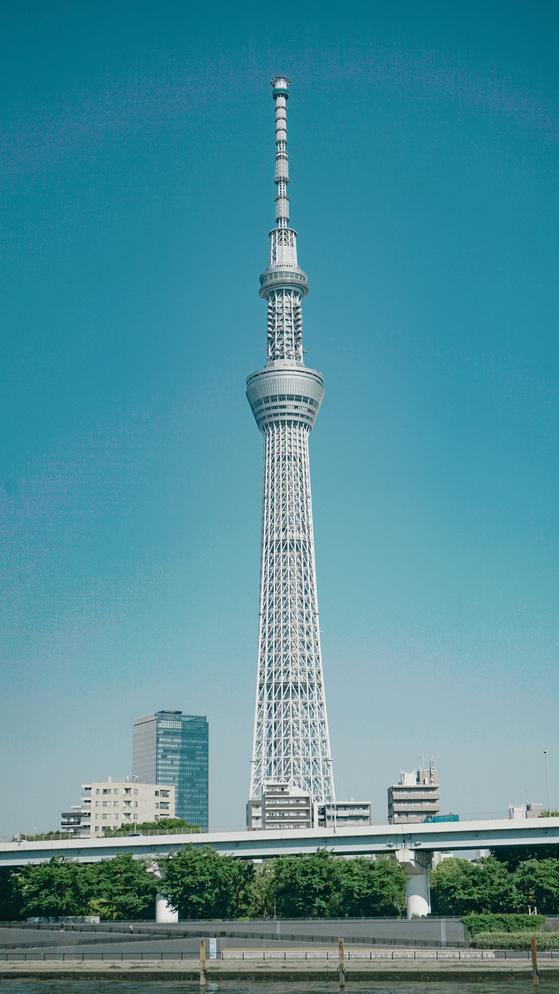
x: 545, y: 755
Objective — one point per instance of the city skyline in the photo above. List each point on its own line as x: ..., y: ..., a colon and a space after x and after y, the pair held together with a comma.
x: 138, y: 180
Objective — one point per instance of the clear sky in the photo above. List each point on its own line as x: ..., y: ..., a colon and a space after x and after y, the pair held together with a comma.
x: 138, y: 191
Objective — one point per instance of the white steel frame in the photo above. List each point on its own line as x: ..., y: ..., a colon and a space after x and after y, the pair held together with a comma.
x: 291, y: 740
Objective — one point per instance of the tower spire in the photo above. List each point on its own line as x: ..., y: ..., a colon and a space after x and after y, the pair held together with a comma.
x: 280, y: 95
x: 283, y: 283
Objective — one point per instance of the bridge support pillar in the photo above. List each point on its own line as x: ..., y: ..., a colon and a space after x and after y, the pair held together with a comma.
x: 164, y: 913
x: 418, y: 895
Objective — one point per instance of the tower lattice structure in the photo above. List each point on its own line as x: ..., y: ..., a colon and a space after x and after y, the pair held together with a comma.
x: 291, y: 740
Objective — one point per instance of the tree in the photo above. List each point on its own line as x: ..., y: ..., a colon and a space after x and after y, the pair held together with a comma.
x: 122, y: 889
x: 512, y: 856
x: 262, y: 891
x: 165, y: 826
x: 306, y: 886
x: 202, y: 884
x: 372, y: 887
x: 537, y: 880
x: 10, y: 901
x: 57, y: 888
x: 459, y: 886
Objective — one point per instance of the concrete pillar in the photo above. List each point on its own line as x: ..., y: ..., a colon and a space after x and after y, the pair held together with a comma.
x: 164, y: 913
x: 418, y: 895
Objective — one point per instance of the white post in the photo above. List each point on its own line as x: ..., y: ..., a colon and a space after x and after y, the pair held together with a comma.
x: 164, y: 913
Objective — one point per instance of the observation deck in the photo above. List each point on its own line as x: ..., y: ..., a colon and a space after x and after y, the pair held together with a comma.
x: 285, y: 390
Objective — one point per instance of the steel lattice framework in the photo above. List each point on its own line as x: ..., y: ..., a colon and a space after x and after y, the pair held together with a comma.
x: 291, y: 740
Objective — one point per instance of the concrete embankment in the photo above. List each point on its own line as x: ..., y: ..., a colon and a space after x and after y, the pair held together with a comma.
x: 394, y: 965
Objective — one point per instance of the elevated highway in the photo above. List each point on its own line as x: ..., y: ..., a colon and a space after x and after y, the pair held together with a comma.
x: 360, y: 841
x: 412, y: 845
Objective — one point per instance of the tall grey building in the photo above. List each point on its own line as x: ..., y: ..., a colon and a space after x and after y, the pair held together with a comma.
x: 415, y: 797
x: 291, y: 744
x: 170, y: 747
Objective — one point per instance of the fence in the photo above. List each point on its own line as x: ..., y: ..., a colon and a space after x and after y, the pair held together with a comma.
x: 283, y: 955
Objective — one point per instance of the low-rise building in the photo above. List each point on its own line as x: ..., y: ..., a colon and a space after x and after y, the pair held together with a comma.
x: 285, y: 807
x: 282, y: 807
x: 110, y: 804
x: 415, y: 797
x: 74, y: 821
x: 528, y: 810
x: 337, y: 814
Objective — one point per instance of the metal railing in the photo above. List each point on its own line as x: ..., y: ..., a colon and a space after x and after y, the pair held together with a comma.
x: 279, y: 955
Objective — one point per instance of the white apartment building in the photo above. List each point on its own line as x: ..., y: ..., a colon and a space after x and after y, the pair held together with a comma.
x: 109, y: 804
x: 281, y: 806
x: 337, y: 814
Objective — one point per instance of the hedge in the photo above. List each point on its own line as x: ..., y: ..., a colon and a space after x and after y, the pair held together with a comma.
x: 516, y: 940
x: 487, y: 922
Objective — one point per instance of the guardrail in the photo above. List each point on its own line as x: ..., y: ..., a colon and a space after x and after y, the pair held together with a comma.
x: 281, y: 955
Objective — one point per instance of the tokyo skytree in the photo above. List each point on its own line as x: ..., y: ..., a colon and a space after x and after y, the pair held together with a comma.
x: 291, y: 740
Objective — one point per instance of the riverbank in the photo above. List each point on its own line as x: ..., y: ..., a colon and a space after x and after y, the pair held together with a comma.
x: 397, y: 968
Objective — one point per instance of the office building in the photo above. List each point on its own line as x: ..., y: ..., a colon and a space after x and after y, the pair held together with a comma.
x: 172, y: 748
x: 414, y: 798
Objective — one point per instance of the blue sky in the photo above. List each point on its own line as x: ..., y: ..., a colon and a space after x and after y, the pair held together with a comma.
x: 138, y: 193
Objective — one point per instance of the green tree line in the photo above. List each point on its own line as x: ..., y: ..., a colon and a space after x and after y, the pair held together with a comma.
x: 459, y: 886
x: 204, y: 884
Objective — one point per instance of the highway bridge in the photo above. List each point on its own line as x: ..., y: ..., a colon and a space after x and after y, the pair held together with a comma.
x: 412, y: 845
x: 358, y: 841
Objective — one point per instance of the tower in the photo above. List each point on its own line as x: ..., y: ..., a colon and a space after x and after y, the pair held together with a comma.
x: 291, y: 741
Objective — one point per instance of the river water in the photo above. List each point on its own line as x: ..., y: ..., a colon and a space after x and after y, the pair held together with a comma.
x: 271, y: 987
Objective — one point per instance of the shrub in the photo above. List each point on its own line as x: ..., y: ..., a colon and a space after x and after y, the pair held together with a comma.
x: 476, y: 923
x: 516, y: 940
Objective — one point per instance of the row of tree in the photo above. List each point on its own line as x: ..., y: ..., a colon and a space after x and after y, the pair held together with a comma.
x: 459, y: 886
x: 203, y: 884
x: 165, y: 826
